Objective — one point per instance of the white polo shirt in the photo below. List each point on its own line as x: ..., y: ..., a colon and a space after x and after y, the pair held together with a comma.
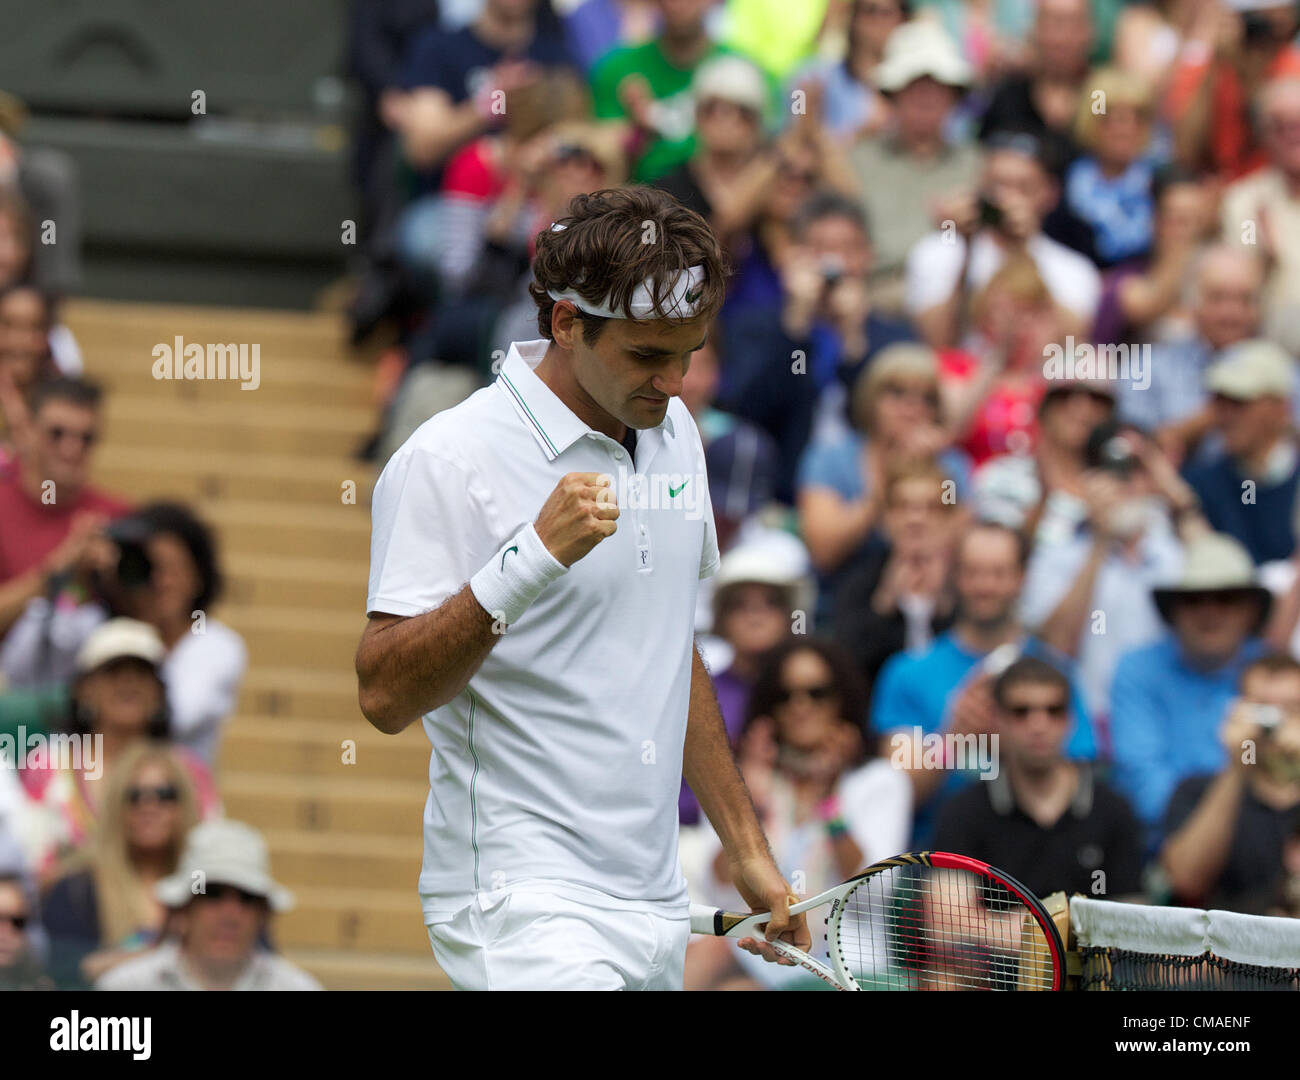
x: 559, y: 766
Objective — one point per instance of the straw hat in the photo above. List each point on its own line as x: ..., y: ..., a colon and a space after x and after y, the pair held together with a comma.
x: 1213, y: 562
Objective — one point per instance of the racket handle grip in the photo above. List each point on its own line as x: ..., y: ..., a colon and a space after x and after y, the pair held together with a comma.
x: 704, y: 920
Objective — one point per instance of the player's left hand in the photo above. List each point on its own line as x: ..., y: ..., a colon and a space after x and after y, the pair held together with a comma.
x: 763, y: 888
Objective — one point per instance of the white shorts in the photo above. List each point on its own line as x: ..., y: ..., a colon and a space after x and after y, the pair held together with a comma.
x: 525, y: 940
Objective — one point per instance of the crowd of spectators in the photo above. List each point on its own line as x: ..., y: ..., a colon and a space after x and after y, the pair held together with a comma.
x: 116, y: 680
x: 999, y: 417
x: 999, y: 414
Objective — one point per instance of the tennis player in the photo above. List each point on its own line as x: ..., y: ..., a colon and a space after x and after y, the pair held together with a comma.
x: 535, y: 557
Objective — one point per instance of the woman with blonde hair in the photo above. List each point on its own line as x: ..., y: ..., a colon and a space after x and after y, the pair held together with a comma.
x: 102, y: 909
x: 1110, y: 187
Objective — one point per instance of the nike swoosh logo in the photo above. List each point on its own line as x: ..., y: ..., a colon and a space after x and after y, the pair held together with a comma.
x: 514, y: 548
x: 672, y: 494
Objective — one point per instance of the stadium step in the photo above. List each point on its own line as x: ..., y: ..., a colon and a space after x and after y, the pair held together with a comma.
x: 370, y: 920
x: 300, y: 692
x: 339, y: 970
x: 386, y: 806
x: 342, y: 860
x: 293, y: 747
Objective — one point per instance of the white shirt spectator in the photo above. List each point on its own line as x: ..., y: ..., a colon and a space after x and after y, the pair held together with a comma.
x: 934, y: 263
x: 1122, y: 595
x: 202, y: 673
x: 164, y: 968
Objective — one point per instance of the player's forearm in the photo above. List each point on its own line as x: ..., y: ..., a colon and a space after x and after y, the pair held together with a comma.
x: 408, y: 667
x: 710, y: 768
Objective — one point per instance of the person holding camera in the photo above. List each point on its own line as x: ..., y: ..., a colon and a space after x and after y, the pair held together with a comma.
x: 51, y: 518
x: 1226, y: 830
x: 1125, y: 547
x: 1232, y: 51
x: 979, y: 231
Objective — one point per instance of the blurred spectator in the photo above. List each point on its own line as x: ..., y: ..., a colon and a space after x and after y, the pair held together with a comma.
x: 1110, y: 186
x: 1048, y: 822
x: 1225, y: 310
x: 21, y: 952
x: 597, y: 27
x: 844, y: 94
x: 900, y: 596
x: 1043, y: 99
x: 455, y: 81
x: 1147, y: 299
x: 823, y: 333
x: 726, y: 178
x: 492, y: 178
x: 897, y: 415
x: 1248, y: 488
x: 102, y: 909
x: 649, y: 86
x: 1149, y: 37
x: 740, y: 457
x: 948, y: 687
x: 117, y: 700
x: 981, y: 231
x: 912, y: 164
x: 379, y: 35
x: 17, y: 237
x: 760, y: 593
x: 994, y: 391
x: 46, y: 181
x: 51, y: 518
x: 1226, y: 831
x: 1041, y: 493
x: 205, y: 659
x: 1231, y: 51
x: 218, y: 928
x: 1089, y: 596
x: 1168, y: 698
x: 825, y: 814
x: 26, y: 317
x: 1263, y: 209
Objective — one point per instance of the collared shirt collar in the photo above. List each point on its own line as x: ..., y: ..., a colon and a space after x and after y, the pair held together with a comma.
x: 554, y: 425
x: 1003, y: 799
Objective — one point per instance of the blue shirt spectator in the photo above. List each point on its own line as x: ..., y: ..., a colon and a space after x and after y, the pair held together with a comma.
x: 1168, y: 698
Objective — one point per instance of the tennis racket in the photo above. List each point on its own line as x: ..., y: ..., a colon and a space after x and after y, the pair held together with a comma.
x: 928, y: 920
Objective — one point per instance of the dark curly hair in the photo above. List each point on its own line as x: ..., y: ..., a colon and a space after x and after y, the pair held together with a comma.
x: 617, y: 238
x: 848, y: 682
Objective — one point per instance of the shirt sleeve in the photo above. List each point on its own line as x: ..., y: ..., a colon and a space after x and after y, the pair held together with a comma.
x: 426, y: 524
x: 893, y: 707
x: 930, y: 273
x: 1142, y: 772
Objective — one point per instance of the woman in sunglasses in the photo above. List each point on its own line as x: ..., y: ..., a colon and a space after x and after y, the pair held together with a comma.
x: 117, y: 701
x: 827, y: 806
x: 103, y: 909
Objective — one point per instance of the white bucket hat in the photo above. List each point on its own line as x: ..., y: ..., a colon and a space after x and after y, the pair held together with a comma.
x: 918, y: 48
x: 223, y: 853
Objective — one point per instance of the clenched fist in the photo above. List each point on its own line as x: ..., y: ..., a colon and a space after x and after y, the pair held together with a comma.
x: 577, y: 515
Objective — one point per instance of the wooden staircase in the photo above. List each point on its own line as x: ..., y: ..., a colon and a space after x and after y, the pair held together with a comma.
x: 268, y: 468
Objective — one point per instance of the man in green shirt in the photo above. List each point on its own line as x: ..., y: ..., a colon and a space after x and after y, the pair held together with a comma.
x: 650, y: 86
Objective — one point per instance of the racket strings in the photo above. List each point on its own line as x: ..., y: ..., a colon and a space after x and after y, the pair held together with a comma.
x: 924, y: 928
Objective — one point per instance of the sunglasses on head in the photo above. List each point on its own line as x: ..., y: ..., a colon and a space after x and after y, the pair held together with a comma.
x: 166, y: 793
x: 216, y: 893
x: 1055, y: 711
x: 824, y: 692
x: 18, y: 922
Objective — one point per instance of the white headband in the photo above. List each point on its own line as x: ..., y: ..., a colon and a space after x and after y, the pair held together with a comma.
x: 682, y: 301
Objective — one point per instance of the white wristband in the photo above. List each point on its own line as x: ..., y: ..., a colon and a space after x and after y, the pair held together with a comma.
x: 515, y: 576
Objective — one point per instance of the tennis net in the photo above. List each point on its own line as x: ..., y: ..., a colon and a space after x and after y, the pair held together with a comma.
x: 1135, y: 947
